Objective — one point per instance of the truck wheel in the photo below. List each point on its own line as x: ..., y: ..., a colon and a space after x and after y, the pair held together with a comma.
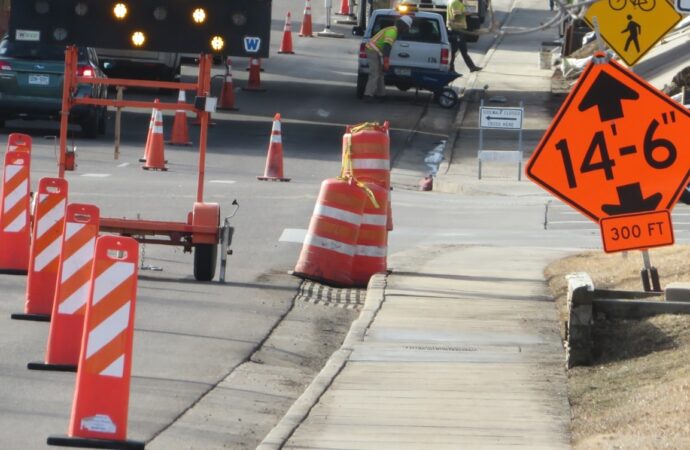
x: 447, y: 97
x: 361, y: 84
x: 205, y: 256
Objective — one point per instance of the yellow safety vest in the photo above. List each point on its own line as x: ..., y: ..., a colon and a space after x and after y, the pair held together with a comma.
x: 387, y: 35
x: 455, y: 16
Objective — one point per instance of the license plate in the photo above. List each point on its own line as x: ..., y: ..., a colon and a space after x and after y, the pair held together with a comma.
x: 41, y: 80
x: 402, y: 71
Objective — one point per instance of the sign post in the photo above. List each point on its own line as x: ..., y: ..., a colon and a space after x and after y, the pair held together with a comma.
x: 618, y: 152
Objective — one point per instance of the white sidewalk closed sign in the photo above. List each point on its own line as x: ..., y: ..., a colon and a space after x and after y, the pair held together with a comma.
x: 508, y: 118
x: 683, y: 6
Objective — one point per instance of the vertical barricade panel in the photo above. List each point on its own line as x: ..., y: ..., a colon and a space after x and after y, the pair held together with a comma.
x: 72, y: 288
x: 101, y: 397
x: 44, y: 255
x: 15, y: 204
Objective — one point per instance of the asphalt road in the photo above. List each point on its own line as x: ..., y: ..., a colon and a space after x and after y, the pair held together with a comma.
x: 195, y: 339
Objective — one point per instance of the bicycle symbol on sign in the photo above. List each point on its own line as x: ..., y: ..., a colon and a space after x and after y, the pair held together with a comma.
x: 644, y: 5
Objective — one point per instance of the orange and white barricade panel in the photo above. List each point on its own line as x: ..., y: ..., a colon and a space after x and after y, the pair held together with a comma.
x: 329, y: 247
x: 19, y: 142
x: 371, y: 254
x: 101, y: 396
x: 72, y: 289
x: 15, y: 217
x: 44, y: 255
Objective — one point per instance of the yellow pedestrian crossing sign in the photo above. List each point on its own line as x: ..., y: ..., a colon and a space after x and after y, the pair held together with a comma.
x: 632, y: 27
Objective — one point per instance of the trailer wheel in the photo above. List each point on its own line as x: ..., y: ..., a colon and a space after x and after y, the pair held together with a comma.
x: 447, y: 97
x: 205, y: 256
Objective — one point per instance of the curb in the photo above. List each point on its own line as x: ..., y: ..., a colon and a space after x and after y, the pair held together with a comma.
x: 299, y: 410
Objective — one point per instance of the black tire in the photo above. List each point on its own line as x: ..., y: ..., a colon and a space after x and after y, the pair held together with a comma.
x: 205, y: 256
x: 361, y: 84
x: 89, y: 125
x: 446, y: 97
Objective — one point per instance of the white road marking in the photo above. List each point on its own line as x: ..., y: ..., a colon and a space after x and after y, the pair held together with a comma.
x: 296, y: 235
x: 223, y: 181
x: 125, y: 164
x: 96, y: 175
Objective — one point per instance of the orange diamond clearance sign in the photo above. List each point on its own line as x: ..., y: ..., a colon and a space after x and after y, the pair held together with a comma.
x: 618, y: 151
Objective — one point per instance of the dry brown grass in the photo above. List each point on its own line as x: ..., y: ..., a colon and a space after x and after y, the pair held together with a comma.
x: 636, y: 394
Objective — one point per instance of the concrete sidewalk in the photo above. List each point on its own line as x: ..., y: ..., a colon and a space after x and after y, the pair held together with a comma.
x: 461, y: 350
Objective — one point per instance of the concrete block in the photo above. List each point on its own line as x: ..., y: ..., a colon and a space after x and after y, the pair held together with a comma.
x: 678, y: 291
x: 580, y: 320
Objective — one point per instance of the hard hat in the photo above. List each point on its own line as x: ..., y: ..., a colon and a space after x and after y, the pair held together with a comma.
x: 407, y: 20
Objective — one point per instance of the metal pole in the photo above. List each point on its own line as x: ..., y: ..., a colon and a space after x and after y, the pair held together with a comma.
x: 118, y: 123
x: 203, y: 90
x: 68, y: 83
x: 522, y: 113
x: 481, y: 141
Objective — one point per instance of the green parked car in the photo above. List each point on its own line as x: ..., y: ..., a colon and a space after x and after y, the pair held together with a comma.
x: 31, y: 76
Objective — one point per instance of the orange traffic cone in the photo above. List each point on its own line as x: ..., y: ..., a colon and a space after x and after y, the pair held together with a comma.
x: 274, y: 160
x: 72, y: 289
x: 101, y: 396
x: 254, y: 81
x: 155, y: 159
x: 180, y: 131
x: 286, y: 45
x: 344, y: 8
x: 306, y: 29
x: 227, y: 92
x: 152, y: 121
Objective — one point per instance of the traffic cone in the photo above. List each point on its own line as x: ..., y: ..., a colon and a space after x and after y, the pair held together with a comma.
x: 254, y: 81
x: 72, y: 289
x: 286, y: 44
x: 180, y: 131
x: 227, y: 92
x: 152, y: 122
x: 101, y: 396
x: 48, y: 224
x: 306, y: 29
x: 15, y: 206
x: 344, y: 8
x: 155, y: 149
x: 274, y: 160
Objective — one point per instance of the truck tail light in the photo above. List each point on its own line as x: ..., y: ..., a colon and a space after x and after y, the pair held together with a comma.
x: 362, y: 51
x: 4, y: 65
x: 445, y: 55
x: 85, y: 71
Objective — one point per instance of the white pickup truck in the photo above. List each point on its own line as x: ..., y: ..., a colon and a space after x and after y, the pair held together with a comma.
x: 419, y: 58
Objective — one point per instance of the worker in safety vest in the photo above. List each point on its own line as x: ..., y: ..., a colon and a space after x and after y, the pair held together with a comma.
x: 456, y: 22
x: 378, y: 50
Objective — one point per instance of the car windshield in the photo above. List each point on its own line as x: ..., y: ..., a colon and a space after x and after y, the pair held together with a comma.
x: 32, y: 50
x: 422, y: 30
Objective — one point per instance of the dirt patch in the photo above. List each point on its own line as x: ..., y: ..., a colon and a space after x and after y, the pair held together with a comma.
x: 636, y: 394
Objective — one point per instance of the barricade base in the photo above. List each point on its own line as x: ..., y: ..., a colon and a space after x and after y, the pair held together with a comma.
x: 66, y: 441
x: 33, y: 317
x: 51, y: 367
x: 14, y: 271
x: 273, y: 179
